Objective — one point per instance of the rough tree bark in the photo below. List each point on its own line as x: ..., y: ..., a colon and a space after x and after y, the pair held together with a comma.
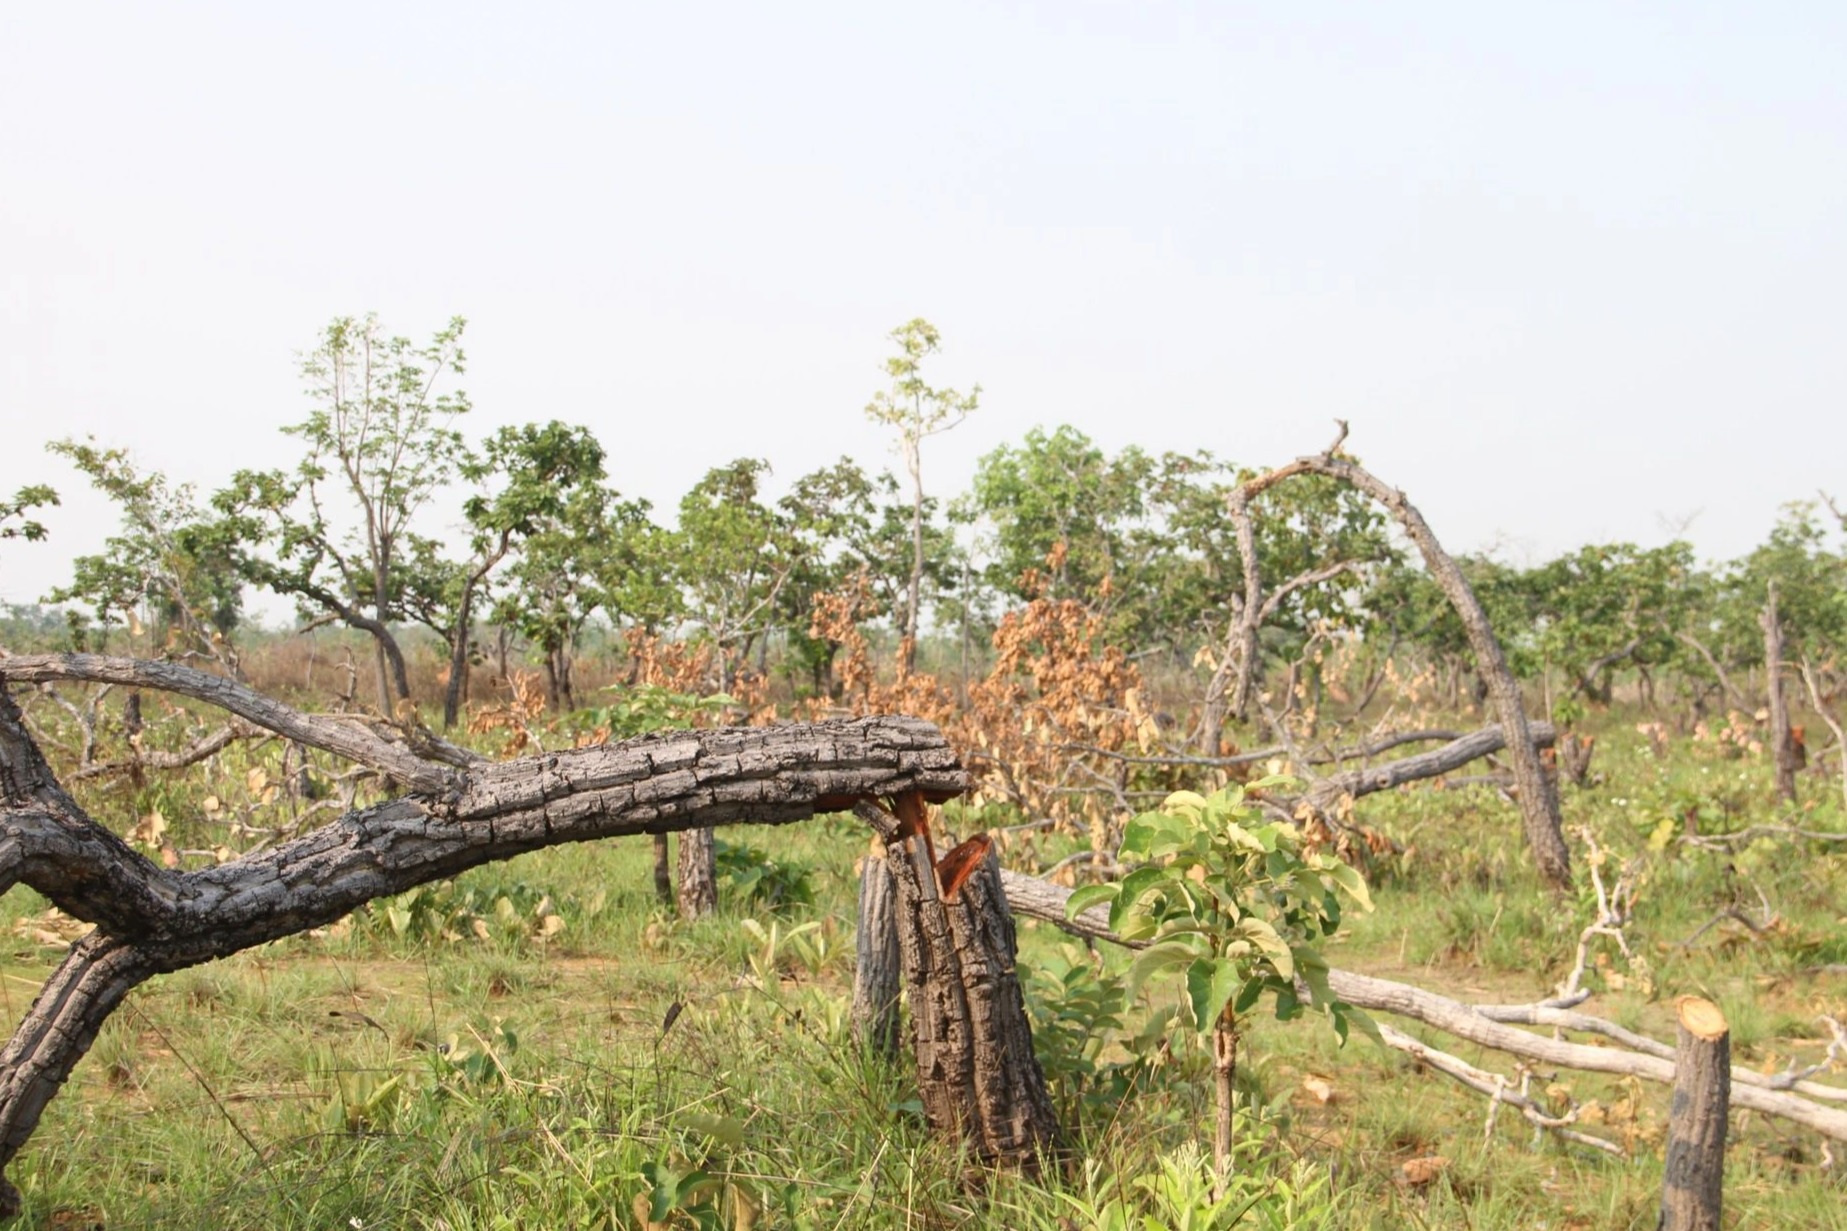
x: 976, y: 1071
x: 457, y: 815
x: 1780, y: 739
x: 1692, y: 1195
x: 1538, y: 798
x: 876, y: 979
x: 698, y: 888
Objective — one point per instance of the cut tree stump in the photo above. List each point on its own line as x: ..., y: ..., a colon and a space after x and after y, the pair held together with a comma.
x: 977, y: 1075
x: 1692, y: 1193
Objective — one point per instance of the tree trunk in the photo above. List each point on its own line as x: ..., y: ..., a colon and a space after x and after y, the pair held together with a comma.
x: 460, y: 637
x: 1693, y: 1192
x: 663, y: 871
x: 907, y: 647
x: 1224, y: 1089
x: 463, y: 811
x: 876, y: 979
x: 698, y: 874
x: 1781, y: 741
x: 976, y: 1071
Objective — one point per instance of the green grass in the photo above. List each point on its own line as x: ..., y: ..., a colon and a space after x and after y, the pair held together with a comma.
x: 376, y: 1077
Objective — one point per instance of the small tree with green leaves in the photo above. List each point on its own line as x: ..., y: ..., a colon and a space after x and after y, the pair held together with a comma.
x: 1234, y: 904
x: 916, y: 410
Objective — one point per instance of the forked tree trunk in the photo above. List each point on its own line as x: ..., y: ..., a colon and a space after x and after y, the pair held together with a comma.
x: 977, y: 1075
x: 876, y: 980
x: 698, y: 890
x: 1692, y: 1194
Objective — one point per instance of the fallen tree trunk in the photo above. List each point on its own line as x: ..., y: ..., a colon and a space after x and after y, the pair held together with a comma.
x: 1793, y: 1100
x: 462, y: 812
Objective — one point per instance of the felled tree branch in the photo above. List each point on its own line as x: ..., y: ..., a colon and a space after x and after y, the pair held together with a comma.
x: 204, y: 747
x: 344, y: 736
x: 151, y: 919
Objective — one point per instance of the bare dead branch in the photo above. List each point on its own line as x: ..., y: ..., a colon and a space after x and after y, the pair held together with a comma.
x: 200, y: 749
x: 342, y: 736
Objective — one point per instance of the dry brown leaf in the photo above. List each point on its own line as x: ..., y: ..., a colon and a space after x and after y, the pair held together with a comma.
x: 1420, y: 1171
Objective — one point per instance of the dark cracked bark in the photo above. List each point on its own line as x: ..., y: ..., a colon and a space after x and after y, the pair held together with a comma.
x: 977, y: 1075
x: 461, y: 813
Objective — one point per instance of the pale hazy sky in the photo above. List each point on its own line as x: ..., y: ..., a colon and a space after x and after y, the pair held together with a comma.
x: 1574, y: 271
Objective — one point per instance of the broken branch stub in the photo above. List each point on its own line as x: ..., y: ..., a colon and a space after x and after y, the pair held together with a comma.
x: 150, y: 920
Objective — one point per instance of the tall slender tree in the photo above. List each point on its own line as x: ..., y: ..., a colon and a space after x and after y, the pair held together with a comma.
x: 916, y: 411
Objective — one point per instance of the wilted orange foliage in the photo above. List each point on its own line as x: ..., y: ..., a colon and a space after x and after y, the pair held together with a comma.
x: 515, y: 716
x: 693, y: 668
x: 1055, y: 691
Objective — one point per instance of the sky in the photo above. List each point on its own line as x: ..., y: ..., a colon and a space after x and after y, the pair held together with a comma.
x: 1573, y: 272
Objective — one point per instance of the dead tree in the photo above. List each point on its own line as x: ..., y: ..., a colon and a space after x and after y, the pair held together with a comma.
x: 457, y: 811
x: 1538, y: 798
x: 876, y: 980
x: 697, y: 892
x: 1235, y: 679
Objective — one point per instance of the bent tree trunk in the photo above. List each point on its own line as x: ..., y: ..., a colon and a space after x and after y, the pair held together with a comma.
x: 1538, y: 799
x: 460, y: 812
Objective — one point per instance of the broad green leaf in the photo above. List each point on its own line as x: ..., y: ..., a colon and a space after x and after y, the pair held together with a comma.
x: 1089, y: 896
x: 1209, y: 985
x: 725, y: 1129
x: 1168, y: 955
x: 1272, y: 946
x: 1135, y: 886
x: 1349, y: 878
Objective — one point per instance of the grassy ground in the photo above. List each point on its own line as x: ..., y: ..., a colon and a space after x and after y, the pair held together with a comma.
x: 456, y: 1061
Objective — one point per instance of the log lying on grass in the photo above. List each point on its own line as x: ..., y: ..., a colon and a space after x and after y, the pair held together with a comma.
x: 1790, y: 1098
x: 461, y: 811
